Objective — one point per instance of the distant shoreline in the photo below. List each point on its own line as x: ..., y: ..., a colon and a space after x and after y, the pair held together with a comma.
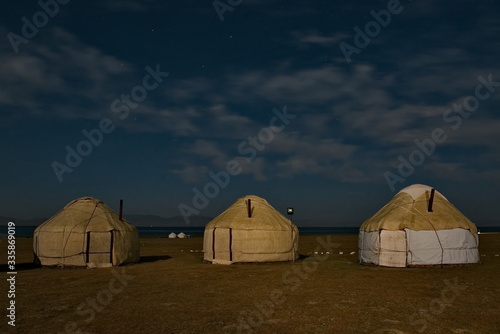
x: 158, y: 231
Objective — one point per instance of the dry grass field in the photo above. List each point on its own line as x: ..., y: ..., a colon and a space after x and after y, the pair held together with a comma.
x: 173, y: 291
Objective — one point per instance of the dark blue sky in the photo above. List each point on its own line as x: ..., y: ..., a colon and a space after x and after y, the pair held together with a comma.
x: 422, y: 68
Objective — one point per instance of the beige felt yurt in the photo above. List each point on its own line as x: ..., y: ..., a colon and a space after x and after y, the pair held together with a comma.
x: 250, y: 230
x: 86, y: 233
x: 419, y: 226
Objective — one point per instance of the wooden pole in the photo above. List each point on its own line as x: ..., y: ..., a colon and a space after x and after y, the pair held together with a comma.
x: 121, y: 209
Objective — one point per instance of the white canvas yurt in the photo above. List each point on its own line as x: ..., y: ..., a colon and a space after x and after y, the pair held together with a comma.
x: 181, y: 235
x: 419, y: 226
x: 172, y: 235
x: 250, y: 230
x: 86, y: 233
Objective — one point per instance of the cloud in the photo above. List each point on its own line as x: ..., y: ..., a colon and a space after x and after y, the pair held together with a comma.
x: 64, y: 78
x: 446, y: 170
x: 309, y: 155
x: 255, y: 168
x: 317, y: 38
x: 207, y: 149
x: 192, y: 173
x: 475, y: 132
x: 180, y: 122
x: 352, y: 122
x: 130, y: 5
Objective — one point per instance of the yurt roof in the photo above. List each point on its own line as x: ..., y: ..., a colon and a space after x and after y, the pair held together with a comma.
x: 263, y: 216
x: 408, y: 209
x: 86, y: 214
x: 417, y: 190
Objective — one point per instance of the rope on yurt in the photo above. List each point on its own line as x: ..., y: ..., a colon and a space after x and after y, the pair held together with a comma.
x: 71, y: 230
x: 87, y: 235
x: 379, y: 241
x: 435, y: 231
x: 40, y: 228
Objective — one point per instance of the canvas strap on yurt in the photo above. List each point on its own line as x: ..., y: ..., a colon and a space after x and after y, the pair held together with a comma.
x: 111, y: 246
x: 231, y: 244
x: 87, y: 249
x: 433, y: 227
x: 213, y: 243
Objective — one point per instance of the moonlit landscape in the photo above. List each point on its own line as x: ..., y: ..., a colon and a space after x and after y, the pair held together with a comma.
x: 183, y: 109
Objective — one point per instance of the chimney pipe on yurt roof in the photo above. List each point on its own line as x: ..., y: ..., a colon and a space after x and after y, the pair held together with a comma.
x: 249, y: 208
x: 121, y: 209
x: 431, y: 200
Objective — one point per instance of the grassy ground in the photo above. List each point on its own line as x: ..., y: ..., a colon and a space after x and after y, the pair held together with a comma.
x: 173, y: 291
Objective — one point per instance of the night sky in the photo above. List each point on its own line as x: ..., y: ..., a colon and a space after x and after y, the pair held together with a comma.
x: 327, y: 106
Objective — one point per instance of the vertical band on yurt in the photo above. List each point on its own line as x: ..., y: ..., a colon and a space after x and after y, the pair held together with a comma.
x: 213, y: 243
x: 231, y: 244
x: 87, y: 251
x: 35, y: 248
x: 111, y: 247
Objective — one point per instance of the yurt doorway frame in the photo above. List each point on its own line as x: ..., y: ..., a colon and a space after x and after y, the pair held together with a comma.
x: 101, y: 246
x: 219, y: 247
x: 393, y: 248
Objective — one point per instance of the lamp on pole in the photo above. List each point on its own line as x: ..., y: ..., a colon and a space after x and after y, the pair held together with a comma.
x: 289, y: 211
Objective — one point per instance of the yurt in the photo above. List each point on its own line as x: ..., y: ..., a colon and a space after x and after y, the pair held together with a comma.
x: 86, y: 233
x: 418, y: 227
x: 172, y: 235
x: 181, y: 235
x: 250, y: 230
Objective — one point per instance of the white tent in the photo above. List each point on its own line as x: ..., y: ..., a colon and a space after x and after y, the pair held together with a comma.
x: 88, y: 233
x: 181, y: 235
x: 172, y: 235
x: 419, y: 226
x: 250, y: 230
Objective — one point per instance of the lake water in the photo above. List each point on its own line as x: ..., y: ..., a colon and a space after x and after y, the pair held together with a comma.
x: 159, y: 231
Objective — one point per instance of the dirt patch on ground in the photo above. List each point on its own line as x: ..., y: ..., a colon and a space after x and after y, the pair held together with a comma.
x: 173, y: 291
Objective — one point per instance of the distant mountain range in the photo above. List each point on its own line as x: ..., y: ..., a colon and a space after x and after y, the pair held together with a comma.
x: 152, y: 220
x: 196, y: 221
x: 22, y: 222
x: 137, y: 220
x: 199, y: 221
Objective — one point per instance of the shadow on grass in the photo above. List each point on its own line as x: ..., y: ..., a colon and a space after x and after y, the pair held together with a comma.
x: 153, y: 258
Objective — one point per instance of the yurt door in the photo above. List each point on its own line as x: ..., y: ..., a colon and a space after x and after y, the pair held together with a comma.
x: 99, y: 249
x: 392, y: 248
x: 222, y: 244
